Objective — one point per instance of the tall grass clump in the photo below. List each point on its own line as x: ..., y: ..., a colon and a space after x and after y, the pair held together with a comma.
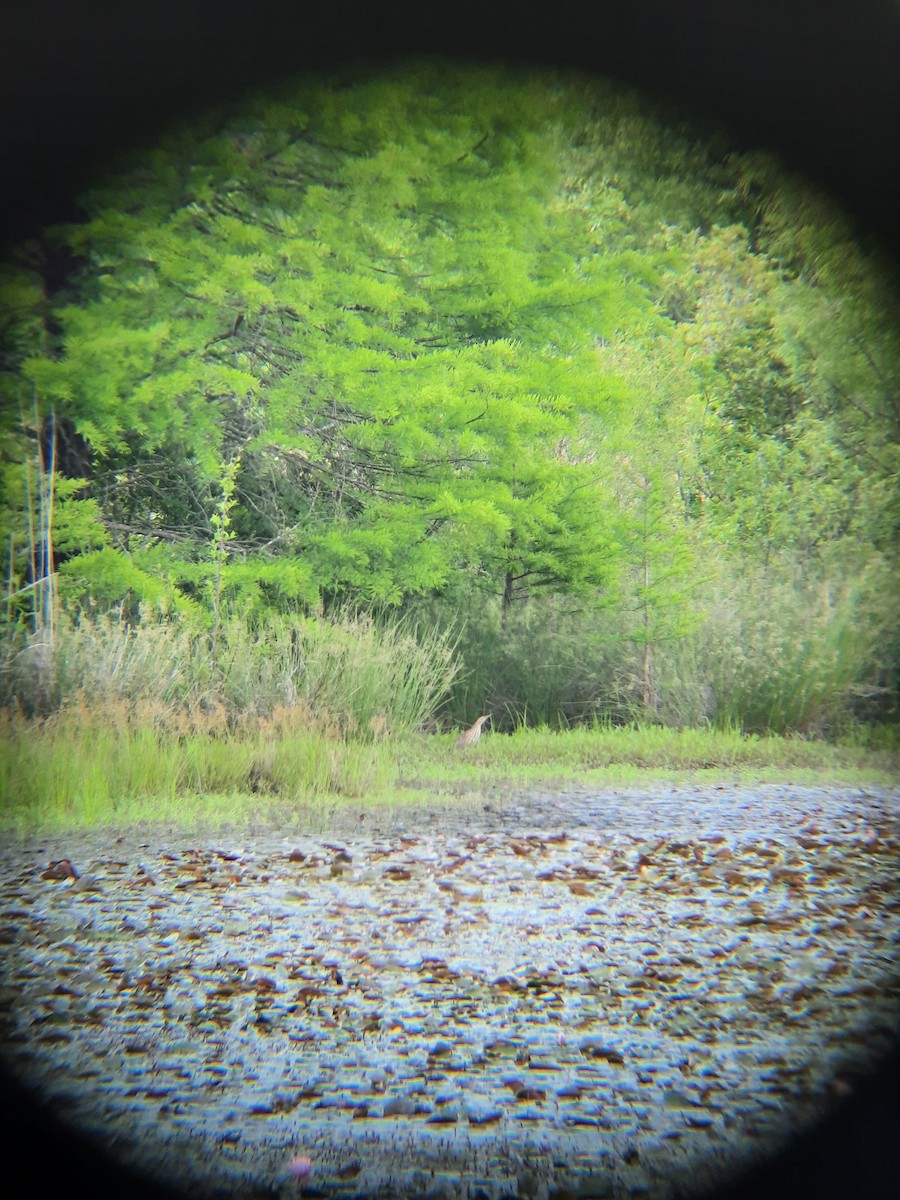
x: 374, y: 676
x: 371, y: 677
x: 774, y: 649
x: 111, y: 715
x: 86, y: 763
x: 546, y: 757
x: 551, y: 662
x: 780, y: 653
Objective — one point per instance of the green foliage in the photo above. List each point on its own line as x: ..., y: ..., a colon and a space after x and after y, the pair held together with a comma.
x: 543, y: 757
x: 343, y: 308
x: 547, y: 663
x: 90, y: 766
x: 357, y: 675
x: 87, y: 765
x: 501, y: 347
x: 766, y: 651
x: 105, y: 576
x: 780, y: 653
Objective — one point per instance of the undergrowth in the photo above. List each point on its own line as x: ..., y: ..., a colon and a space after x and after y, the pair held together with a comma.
x: 644, y: 747
x: 90, y: 765
x: 371, y: 677
x: 113, y: 721
x: 87, y: 763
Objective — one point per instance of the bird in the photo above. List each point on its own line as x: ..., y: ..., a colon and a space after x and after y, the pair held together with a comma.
x: 470, y: 736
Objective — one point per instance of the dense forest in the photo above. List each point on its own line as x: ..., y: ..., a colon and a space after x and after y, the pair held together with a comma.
x: 506, y: 388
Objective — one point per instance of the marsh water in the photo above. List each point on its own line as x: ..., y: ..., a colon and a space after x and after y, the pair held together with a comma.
x: 621, y: 993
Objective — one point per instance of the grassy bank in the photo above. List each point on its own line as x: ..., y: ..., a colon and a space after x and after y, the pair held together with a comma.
x: 87, y: 766
x: 107, y: 719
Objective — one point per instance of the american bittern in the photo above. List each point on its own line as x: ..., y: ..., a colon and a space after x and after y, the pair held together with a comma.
x: 470, y: 736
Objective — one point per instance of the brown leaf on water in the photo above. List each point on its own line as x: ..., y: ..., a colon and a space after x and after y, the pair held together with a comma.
x: 264, y: 984
x: 457, y: 862
x: 341, y: 854
x: 62, y: 990
x: 196, y: 880
x: 594, y: 1049
x: 600, y: 947
x: 507, y: 983
x: 224, y: 990
x: 152, y: 982
x: 311, y: 992
x: 60, y: 869
x: 809, y: 843
x: 396, y: 873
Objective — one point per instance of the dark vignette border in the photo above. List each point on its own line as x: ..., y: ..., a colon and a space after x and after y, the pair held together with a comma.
x: 814, y: 80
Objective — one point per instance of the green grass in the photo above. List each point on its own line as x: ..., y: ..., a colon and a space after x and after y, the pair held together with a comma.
x: 88, y: 767
x: 369, y: 677
x: 606, y: 751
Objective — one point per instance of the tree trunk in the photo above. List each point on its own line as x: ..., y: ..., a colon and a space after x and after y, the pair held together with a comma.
x: 647, y: 681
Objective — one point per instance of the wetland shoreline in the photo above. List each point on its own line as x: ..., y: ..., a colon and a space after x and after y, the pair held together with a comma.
x: 622, y: 993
